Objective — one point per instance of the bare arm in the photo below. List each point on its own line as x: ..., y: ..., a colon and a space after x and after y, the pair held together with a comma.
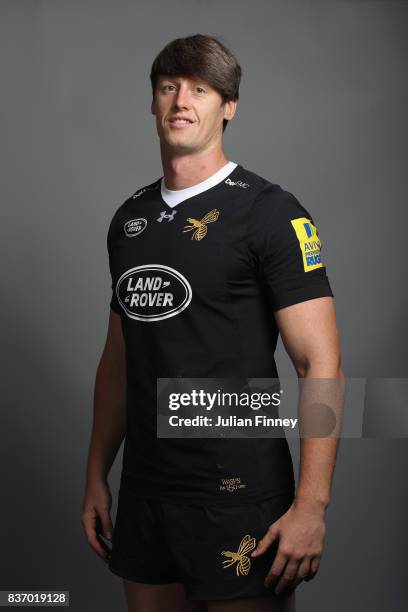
x: 109, y: 416
x: 108, y: 431
x: 310, y: 336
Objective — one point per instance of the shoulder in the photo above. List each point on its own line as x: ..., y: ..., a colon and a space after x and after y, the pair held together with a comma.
x: 138, y: 195
x: 278, y: 204
x: 270, y: 200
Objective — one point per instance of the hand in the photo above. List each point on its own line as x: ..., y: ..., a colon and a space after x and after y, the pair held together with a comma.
x: 95, y: 517
x: 301, y: 532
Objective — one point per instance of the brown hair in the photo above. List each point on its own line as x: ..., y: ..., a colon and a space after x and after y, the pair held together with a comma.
x: 200, y: 56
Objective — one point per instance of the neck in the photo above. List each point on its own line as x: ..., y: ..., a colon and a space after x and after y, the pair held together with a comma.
x: 184, y: 171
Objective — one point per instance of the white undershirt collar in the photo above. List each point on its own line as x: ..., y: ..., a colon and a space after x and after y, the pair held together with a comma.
x: 172, y: 197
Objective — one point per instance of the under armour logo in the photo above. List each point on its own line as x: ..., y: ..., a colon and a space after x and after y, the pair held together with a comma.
x: 169, y: 217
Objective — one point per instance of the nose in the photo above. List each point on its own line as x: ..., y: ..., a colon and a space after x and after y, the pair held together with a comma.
x: 181, y: 100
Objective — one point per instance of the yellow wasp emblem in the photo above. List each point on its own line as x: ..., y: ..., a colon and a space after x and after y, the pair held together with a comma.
x: 200, y: 226
x: 243, y: 562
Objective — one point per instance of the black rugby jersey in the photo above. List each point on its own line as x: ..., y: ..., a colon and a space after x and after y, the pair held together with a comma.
x: 196, y: 286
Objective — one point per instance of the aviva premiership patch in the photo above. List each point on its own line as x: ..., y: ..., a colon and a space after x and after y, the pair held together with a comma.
x: 309, y: 243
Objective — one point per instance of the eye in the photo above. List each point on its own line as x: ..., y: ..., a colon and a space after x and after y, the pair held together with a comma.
x: 164, y: 87
x: 200, y: 88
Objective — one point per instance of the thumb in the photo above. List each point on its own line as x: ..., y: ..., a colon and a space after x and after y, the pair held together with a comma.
x: 265, y: 542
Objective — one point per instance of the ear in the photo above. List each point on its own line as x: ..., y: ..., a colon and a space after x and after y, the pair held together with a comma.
x: 230, y: 109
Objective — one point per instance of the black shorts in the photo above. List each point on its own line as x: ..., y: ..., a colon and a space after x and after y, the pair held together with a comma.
x: 206, y: 548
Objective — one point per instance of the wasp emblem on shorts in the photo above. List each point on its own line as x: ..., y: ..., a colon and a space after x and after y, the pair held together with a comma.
x: 200, y: 226
x: 243, y: 562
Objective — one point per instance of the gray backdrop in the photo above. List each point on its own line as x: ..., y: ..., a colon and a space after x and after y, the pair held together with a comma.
x: 322, y: 112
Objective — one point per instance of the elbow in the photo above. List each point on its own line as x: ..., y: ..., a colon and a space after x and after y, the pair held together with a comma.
x: 320, y: 367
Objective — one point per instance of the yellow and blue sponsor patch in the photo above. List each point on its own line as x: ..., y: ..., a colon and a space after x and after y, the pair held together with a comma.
x: 309, y: 242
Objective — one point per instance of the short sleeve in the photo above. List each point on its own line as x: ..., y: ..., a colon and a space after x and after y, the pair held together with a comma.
x: 114, y: 304
x: 285, y: 247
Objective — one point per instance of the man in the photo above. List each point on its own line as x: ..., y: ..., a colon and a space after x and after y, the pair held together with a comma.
x: 209, y: 263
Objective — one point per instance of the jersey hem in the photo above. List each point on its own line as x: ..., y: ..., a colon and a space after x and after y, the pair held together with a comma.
x: 115, y: 309
x: 302, y: 295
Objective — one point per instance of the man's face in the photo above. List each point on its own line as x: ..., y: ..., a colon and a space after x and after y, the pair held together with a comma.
x: 199, y: 103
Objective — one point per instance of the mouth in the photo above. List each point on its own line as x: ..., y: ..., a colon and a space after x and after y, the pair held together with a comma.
x: 180, y: 123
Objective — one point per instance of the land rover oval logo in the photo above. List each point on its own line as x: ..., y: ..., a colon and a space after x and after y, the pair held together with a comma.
x: 153, y: 292
x: 134, y: 227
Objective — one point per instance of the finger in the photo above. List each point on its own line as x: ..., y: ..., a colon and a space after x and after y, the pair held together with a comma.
x: 303, y: 571
x: 106, y: 522
x: 288, y: 576
x: 265, y: 542
x: 89, y: 522
x: 99, y: 547
x: 276, y: 570
x: 314, y: 568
